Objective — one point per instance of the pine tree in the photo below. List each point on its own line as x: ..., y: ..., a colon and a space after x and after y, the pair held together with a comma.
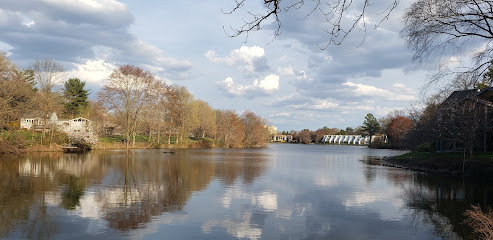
x: 371, y: 125
x: 76, y: 97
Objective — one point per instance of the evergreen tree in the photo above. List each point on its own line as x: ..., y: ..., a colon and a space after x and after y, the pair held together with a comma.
x: 371, y: 125
x: 76, y: 97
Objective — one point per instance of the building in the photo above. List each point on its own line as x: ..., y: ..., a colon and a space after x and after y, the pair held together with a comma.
x: 77, y: 125
x: 282, y: 138
x: 465, y: 121
x: 352, y: 139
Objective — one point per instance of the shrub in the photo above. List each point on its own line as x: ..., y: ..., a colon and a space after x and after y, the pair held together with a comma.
x: 426, y: 147
x: 12, y: 142
x: 481, y: 222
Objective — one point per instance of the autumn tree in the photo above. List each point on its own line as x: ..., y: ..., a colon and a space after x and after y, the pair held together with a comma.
x: 305, y: 136
x: 16, y: 92
x: 256, y: 132
x: 75, y: 97
x: 230, y: 128
x: 320, y: 133
x: 371, y: 125
x: 397, y: 130
x: 125, y: 93
x: 183, y: 113
x: 207, y: 120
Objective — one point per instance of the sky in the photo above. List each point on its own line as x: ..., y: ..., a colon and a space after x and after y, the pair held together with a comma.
x: 288, y: 80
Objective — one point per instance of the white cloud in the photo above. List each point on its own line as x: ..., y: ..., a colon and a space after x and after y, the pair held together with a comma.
x: 92, y: 71
x: 263, y: 87
x: 287, y: 71
x: 282, y: 114
x: 359, y: 89
x: 317, y: 104
x: 246, y: 56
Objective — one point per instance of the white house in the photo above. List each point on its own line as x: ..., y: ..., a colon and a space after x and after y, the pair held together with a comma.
x: 77, y: 125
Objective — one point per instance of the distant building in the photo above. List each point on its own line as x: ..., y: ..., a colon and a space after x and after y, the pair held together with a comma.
x: 282, y: 138
x: 352, y: 139
x: 80, y: 125
x: 272, y: 130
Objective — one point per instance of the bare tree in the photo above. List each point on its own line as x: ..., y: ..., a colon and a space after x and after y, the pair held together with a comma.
x: 439, y: 29
x: 461, y: 122
x: 47, y: 74
x: 342, y: 17
x: 125, y: 93
x: 16, y: 93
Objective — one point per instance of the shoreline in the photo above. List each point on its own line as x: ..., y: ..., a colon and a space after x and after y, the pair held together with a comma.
x: 443, y: 164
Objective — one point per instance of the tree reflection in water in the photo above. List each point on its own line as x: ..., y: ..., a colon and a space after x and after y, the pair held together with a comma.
x: 438, y: 199
x: 127, y: 190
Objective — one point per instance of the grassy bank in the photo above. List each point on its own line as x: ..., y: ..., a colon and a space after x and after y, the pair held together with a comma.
x: 479, y: 164
x: 21, y: 141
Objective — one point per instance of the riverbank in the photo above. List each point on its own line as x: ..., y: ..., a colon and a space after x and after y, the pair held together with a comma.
x: 24, y: 142
x: 478, y: 165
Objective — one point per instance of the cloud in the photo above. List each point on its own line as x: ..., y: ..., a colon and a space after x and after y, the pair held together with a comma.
x: 263, y: 87
x: 358, y: 89
x: 317, y: 104
x: 287, y: 71
x: 251, y: 59
x: 73, y: 31
x: 92, y: 70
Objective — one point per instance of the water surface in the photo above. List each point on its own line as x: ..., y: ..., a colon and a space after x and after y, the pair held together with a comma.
x: 285, y: 191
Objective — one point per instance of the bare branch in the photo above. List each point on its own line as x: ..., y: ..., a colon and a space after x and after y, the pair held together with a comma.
x: 333, y: 11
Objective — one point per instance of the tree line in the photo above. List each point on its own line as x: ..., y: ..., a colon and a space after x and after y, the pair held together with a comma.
x: 132, y: 101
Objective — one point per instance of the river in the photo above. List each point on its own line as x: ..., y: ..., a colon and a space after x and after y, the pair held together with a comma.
x: 284, y: 191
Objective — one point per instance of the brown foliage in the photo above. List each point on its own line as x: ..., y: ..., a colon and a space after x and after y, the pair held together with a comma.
x: 481, y: 222
x: 16, y: 95
x: 256, y: 132
x: 12, y: 143
x: 398, y: 129
x: 230, y: 128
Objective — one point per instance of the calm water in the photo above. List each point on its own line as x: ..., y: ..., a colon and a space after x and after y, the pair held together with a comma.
x: 281, y: 192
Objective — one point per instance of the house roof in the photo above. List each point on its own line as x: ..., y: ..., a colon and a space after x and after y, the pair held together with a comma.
x: 486, y: 94
x: 456, y: 97
x: 484, y: 97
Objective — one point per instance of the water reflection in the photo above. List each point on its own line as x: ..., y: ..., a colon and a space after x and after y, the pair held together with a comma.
x: 438, y: 199
x: 125, y: 190
x: 284, y: 191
